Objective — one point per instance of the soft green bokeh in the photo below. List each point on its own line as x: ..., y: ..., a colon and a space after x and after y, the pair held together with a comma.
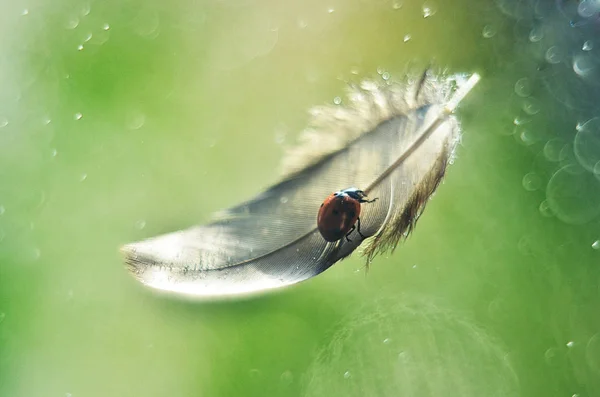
x: 120, y: 120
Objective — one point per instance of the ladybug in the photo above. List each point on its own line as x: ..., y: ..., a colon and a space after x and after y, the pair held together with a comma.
x: 340, y: 212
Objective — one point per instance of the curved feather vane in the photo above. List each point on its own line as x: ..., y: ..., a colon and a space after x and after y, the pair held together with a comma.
x: 394, y: 141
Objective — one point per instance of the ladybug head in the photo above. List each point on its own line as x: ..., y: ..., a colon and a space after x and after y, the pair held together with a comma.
x: 354, y: 193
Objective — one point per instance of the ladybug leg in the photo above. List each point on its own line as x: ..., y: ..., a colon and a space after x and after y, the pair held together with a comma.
x: 347, y: 234
x: 369, y: 201
x: 358, y: 229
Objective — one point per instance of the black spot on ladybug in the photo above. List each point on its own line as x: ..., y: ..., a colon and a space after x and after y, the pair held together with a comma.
x: 351, y: 214
x: 335, y: 212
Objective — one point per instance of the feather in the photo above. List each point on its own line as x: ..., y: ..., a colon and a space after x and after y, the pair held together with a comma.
x: 393, y: 141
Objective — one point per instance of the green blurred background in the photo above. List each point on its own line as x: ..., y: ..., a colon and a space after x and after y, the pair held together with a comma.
x: 120, y: 120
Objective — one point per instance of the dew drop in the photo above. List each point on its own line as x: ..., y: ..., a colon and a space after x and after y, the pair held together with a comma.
x: 553, y: 55
x: 25, y: 12
x: 72, y: 23
x: 587, y: 8
x: 545, y: 209
x: 287, y: 377
x: 536, y: 34
x: 3, y: 122
x: 587, y: 144
x: 331, y: 10
x: 385, y: 76
x: 283, y: 200
x: 550, y: 355
x: 2, y: 210
x: 2, y: 317
x: 592, y: 353
x: 574, y: 196
x: 570, y: 344
x: 386, y: 341
x: 429, y: 9
x: 596, y: 245
x: 489, y: 31
x: 83, y: 177
x: 80, y: 47
x: 140, y: 224
x: 337, y: 100
x: 136, y: 120
x: 53, y: 152
x: 531, y: 106
x: 552, y: 149
x: 523, y: 87
x: 588, y: 45
x: 105, y: 26
x: 78, y: 116
x: 85, y: 10
x: 406, y: 38
x: 347, y: 374
x: 397, y: 5
x: 88, y: 37
x: 532, y: 181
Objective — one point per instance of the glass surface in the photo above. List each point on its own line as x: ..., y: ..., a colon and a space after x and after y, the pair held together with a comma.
x: 121, y: 120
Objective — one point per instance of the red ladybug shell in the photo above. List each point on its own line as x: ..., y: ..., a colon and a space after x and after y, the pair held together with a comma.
x: 337, y: 215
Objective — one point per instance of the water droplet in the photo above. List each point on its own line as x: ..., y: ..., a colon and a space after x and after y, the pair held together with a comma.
x: 83, y: 177
x: 397, y: 5
x: 592, y: 353
x: 553, y: 55
x: 347, y: 374
x: 550, y: 355
x: 68, y: 395
x: 587, y: 144
x: 78, y: 116
x: 536, y: 34
x: 2, y: 210
x: 525, y: 136
x: 283, y: 200
x: 531, y: 106
x: 25, y: 12
x: 596, y: 245
x: 331, y: 10
x: 380, y: 70
x: 135, y: 120
x: 488, y: 31
x: 523, y: 87
x: 105, y: 26
x: 429, y: 9
x: 287, y: 377
x: 2, y: 317
x: 72, y: 23
x: 414, y: 266
x: 140, y: 224
x: 53, y: 152
x: 587, y: 8
x: 80, y: 47
x: 532, y: 181
x: 87, y: 37
x: 85, y: 9
x: 407, y: 37
x: 574, y: 196
x: 552, y: 149
x: 386, y: 341
x: 588, y: 45
x: 545, y: 209
x: 584, y: 65
x: 3, y: 121
x: 570, y: 344
x: 337, y: 100
x: 385, y: 76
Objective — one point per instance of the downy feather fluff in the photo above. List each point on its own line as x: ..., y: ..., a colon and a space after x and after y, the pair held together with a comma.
x: 393, y: 140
